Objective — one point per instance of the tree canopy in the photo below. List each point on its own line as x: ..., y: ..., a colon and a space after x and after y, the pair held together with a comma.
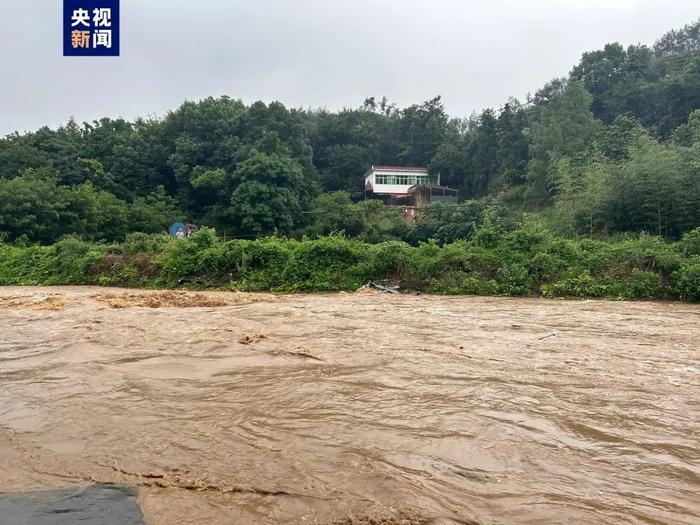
x: 612, y: 147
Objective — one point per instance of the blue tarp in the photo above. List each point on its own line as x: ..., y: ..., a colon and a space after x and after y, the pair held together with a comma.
x: 174, y: 228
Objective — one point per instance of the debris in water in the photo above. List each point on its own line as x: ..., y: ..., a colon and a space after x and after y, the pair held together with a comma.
x: 365, y: 290
x: 48, y: 303
x: 298, y: 353
x: 383, y: 288
x: 256, y: 337
x: 399, y: 518
x: 372, y: 286
x: 170, y: 299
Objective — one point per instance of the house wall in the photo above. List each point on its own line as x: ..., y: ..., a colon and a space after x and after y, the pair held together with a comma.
x: 390, y: 188
x: 422, y: 197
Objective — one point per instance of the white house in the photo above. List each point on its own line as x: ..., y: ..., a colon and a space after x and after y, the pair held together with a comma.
x: 397, y: 180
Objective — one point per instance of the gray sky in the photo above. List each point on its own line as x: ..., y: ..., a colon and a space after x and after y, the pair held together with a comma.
x: 318, y: 53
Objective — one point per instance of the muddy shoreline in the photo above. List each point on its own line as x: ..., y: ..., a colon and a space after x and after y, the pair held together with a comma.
x: 256, y: 408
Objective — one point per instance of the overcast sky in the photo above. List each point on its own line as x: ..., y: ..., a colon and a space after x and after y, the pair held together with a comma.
x: 318, y: 53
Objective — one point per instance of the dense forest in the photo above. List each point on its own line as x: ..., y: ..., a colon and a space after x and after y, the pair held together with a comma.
x: 612, y: 149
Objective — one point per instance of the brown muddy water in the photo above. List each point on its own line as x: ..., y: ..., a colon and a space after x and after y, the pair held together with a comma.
x: 354, y: 408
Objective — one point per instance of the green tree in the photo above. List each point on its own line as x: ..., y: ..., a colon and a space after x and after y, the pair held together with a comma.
x: 679, y: 41
x: 655, y: 188
x: 31, y: 206
x: 689, y: 134
x: 564, y: 126
x: 153, y: 213
x: 334, y: 213
x: 94, y: 214
x: 269, y: 194
x: 422, y: 127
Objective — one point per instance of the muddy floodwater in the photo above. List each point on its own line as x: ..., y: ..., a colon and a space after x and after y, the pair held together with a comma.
x: 225, y: 408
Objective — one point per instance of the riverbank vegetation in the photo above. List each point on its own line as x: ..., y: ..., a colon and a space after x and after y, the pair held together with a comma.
x: 515, y: 260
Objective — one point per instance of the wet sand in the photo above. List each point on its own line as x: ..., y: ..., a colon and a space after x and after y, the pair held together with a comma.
x: 347, y: 408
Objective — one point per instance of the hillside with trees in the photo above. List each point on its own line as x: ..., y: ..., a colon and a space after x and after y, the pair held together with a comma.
x: 611, y: 149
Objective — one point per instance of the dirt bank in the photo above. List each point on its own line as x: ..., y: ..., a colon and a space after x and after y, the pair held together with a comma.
x: 354, y: 408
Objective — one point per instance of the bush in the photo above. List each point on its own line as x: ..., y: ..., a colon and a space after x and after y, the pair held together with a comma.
x: 686, y: 281
x: 514, y: 279
x: 641, y: 285
x: 256, y: 265
x: 326, y: 264
x: 141, y: 242
x: 28, y: 265
x: 389, y: 259
x: 114, y: 269
x: 690, y: 243
x: 463, y: 283
x: 423, y: 262
x: 580, y: 285
x: 527, y: 260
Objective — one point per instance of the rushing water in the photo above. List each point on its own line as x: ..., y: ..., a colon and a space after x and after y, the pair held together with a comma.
x: 348, y: 408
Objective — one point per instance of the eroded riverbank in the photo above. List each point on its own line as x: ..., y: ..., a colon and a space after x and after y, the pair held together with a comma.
x: 243, y: 408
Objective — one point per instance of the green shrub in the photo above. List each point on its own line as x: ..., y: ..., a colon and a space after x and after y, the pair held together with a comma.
x: 423, y: 262
x: 189, y: 259
x: 582, y: 285
x: 686, y: 280
x: 545, y: 267
x: 463, y: 283
x: 641, y: 285
x: 496, y: 261
x: 514, y: 279
x: 389, y: 260
x: 120, y: 276
x: 24, y: 265
x: 256, y: 265
x: 71, y: 260
x: 141, y: 242
x: 325, y: 264
x: 594, y: 255
x: 114, y: 269
x: 690, y: 243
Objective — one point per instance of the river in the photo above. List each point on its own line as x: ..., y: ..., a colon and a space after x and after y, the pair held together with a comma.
x: 225, y: 408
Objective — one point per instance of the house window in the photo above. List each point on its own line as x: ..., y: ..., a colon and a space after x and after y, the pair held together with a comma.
x: 405, y: 180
